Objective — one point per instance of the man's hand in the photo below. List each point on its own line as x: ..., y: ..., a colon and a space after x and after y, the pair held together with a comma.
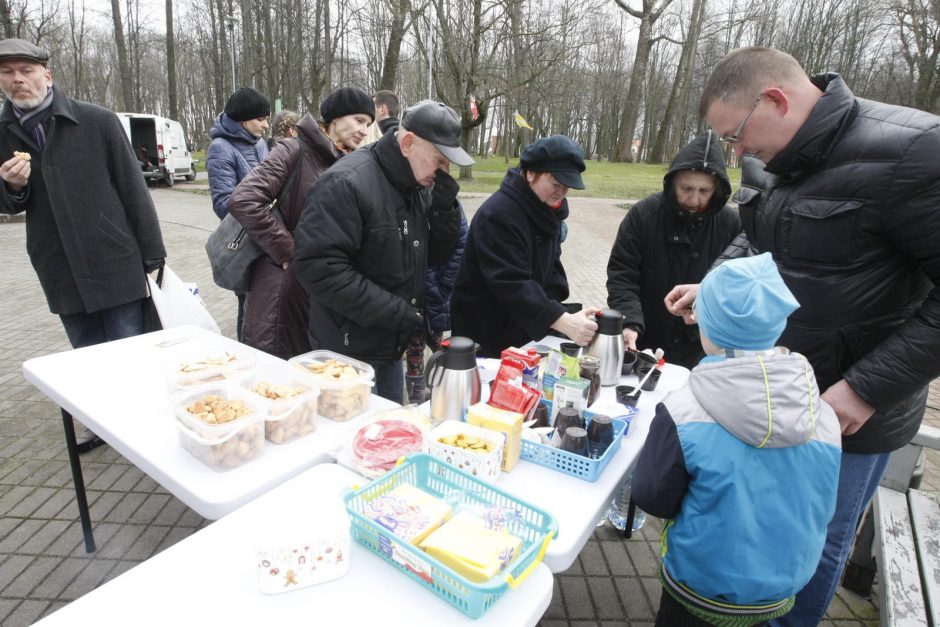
x: 679, y: 301
x: 578, y: 326
x: 629, y: 338
x: 153, y: 264
x: 15, y: 173
x: 444, y: 192
x: 853, y: 412
x: 443, y: 219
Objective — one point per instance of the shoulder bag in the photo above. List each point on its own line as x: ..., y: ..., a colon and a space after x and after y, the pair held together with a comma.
x: 232, y: 252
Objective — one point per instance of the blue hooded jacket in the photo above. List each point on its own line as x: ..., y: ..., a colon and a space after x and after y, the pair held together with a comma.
x: 233, y: 153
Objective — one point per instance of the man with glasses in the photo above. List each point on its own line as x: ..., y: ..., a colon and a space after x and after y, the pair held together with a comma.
x: 669, y: 238
x: 851, y: 218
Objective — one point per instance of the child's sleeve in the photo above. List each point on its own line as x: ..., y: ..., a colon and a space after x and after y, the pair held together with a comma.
x: 660, y: 480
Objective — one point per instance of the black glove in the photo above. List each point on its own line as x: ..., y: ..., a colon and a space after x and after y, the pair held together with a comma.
x: 153, y: 264
x: 444, y: 219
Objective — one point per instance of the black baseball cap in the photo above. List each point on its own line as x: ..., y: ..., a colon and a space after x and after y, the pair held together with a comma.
x: 13, y: 48
x: 439, y: 124
x: 558, y: 154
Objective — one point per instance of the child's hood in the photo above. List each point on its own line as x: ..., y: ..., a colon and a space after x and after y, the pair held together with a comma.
x: 770, y: 401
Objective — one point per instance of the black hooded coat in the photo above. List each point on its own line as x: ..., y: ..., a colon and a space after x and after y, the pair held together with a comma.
x: 659, y: 246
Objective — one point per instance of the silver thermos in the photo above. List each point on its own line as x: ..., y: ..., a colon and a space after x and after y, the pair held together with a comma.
x: 453, y: 380
x: 607, y: 345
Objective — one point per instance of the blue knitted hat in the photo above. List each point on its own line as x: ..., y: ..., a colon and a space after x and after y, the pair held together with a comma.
x: 744, y: 304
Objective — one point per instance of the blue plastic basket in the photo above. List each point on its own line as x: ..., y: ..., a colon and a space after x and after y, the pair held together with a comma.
x: 572, y: 463
x: 533, y: 526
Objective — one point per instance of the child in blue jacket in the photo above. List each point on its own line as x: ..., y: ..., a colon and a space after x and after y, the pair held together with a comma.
x: 743, y: 461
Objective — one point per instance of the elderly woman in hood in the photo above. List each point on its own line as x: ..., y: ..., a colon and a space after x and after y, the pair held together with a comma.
x: 671, y: 238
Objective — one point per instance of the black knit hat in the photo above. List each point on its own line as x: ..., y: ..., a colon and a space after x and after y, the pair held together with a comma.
x: 557, y: 154
x: 247, y: 104
x: 346, y: 101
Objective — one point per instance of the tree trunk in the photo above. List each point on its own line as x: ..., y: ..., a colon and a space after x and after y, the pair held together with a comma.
x: 5, y: 18
x: 171, y: 61
x: 631, y: 106
x: 683, y: 76
x: 127, y: 82
x: 393, y: 50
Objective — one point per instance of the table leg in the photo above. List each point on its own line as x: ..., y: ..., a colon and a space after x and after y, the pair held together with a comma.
x: 631, y: 514
x: 79, y: 482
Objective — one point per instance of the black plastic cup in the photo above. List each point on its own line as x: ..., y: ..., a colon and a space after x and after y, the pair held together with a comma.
x: 567, y: 417
x: 575, y: 441
x: 650, y: 384
x: 625, y: 395
x: 644, y: 362
x: 600, y: 433
x: 629, y: 362
x: 540, y: 415
x: 571, y: 349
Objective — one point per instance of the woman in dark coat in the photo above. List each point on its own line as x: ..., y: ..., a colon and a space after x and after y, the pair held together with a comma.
x: 511, y: 283
x: 672, y: 238
x: 276, y: 309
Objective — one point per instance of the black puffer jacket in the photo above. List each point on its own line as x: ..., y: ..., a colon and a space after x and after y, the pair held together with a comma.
x: 659, y: 246
x: 511, y: 282
x: 853, y: 222
x: 360, y: 252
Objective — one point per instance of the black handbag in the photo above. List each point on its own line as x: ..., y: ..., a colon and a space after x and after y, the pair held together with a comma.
x: 232, y: 252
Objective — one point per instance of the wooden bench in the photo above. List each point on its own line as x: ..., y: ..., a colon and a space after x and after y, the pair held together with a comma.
x: 901, y: 537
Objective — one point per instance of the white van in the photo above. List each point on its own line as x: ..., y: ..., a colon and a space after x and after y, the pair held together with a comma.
x: 160, y: 146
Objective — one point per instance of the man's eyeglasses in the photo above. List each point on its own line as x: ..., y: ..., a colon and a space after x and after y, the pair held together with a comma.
x: 736, y: 135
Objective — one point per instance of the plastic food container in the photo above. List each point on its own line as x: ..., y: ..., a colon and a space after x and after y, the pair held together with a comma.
x: 290, y: 401
x: 341, y: 398
x: 305, y: 550
x: 208, y: 362
x: 222, y: 446
x: 485, y: 465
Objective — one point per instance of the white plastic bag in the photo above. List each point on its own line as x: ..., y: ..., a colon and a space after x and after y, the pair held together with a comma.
x: 176, y: 304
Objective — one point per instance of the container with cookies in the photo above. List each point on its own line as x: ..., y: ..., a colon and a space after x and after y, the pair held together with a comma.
x: 221, y: 426
x: 345, y: 383
x: 208, y: 362
x: 470, y: 448
x: 290, y: 401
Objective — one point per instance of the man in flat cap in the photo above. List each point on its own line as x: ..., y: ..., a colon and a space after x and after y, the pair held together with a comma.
x: 91, y: 228
x: 370, y: 226
x: 511, y: 284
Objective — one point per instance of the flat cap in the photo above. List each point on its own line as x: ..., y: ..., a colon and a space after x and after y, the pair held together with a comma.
x: 21, y: 49
x: 558, y: 154
x: 439, y: 124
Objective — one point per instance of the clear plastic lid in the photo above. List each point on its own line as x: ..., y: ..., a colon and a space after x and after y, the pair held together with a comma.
x: 331, y: 370
x: 204, y: 362
x: 278, y: 388
x: 205, y: 432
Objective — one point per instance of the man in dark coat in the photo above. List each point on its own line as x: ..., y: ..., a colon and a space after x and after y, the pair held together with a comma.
x: 669, y: 238
x: 91, y: 228
x: 851, y: 220
x: 369, y: 227
x: 511, y: 283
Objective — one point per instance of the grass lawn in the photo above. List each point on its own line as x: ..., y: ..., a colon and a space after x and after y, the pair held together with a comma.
x: 602, y: 178
x: 627, y: 181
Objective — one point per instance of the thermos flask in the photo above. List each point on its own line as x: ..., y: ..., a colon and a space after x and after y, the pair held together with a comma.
x: 453, y: 379
x: 607, y: 345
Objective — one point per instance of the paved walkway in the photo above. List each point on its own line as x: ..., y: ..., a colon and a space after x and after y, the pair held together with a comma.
x: 42, y: 560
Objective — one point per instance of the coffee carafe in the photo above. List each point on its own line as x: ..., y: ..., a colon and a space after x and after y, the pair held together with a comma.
x: 453, y: 379
x: 607, y: 345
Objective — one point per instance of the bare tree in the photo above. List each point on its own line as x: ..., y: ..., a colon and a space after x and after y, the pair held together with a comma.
x: 171, y: 61
x: 127, y: 82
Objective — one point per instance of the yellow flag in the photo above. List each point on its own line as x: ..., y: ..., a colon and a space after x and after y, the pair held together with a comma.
x: 521, y: 123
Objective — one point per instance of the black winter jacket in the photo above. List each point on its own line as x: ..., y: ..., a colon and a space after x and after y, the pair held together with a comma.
x: 659, y: 246
x: 511, y: 282
x: 853, y: 222
x: 360, y: 252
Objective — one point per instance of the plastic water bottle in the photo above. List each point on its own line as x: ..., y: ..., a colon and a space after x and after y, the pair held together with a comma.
x: 620, y: 506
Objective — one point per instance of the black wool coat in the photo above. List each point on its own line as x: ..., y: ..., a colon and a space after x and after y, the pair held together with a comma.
x: 90, y: 221
x: 511, y: 282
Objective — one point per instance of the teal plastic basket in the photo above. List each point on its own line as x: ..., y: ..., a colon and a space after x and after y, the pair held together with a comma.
x: 572, y: 463
x: 533, y: 526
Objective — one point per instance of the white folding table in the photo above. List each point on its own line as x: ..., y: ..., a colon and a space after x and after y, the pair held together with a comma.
x: 118, y: 390
x: 209, y: 578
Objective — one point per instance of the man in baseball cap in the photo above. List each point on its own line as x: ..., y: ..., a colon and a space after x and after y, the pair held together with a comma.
x: 437, y: 123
